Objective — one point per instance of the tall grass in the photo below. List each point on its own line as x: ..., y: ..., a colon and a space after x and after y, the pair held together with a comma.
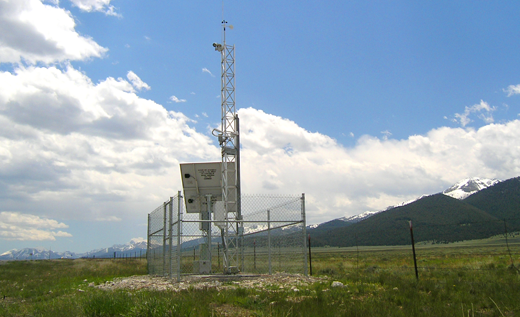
x: 377, y: 282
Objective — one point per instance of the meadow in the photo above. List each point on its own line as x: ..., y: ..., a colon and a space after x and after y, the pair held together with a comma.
x: 460, y: 279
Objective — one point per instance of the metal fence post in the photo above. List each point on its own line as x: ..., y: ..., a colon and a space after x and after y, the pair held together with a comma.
x: 304, y: 232
x: 170, y: 214
x: 413, y: 249
x: 147, y: 247
x: 164, y: 239
x: 269, y: 239
x: 179, y: 228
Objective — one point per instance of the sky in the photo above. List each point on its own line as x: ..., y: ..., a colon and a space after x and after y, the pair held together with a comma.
x: 358, y: 104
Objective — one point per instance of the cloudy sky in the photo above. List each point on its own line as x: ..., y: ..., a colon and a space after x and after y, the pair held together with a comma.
x: 358, y: 104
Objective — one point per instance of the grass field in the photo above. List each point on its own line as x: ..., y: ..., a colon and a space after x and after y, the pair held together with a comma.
x: 463, y: 279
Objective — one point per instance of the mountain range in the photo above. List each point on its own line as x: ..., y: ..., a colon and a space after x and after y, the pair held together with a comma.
x: 470, y: 209
x: 135, y: 248
x: 460, y: 190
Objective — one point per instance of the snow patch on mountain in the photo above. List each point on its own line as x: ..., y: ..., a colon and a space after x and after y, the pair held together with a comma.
x: 9, y: 253
x: 368, y: 214
x: 469, y: 186
x: 357, y: 218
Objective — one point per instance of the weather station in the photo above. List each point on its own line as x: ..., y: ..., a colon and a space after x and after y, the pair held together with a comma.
x: 214, y: 188
x: 212, y: 220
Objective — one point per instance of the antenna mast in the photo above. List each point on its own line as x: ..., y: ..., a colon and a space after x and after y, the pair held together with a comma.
x: 229, y: 141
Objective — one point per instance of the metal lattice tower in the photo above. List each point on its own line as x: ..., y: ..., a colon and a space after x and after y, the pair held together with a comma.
x: 229, y: 140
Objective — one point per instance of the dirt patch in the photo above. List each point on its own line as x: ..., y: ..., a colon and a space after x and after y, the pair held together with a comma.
x: 218, y: 282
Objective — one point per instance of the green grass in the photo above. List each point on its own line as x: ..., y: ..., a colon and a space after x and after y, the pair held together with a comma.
x: 45, y: 287
x: 454, y: 280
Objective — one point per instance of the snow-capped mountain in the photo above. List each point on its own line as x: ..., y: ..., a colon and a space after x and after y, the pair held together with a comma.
x: 469, y: 186
x: 136, y: 247
x: 460, y: 190
x: 135, y: 243
x: 36, y: 254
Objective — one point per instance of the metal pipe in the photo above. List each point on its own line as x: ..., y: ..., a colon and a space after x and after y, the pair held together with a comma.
x: 179, y: 208
x: 304, y: 231
x: 164, y: 239
x: 170, y: 237
x: 147, y: 247
x: 269, y: 238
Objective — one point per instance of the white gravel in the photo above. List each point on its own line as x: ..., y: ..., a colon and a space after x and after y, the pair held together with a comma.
x: 218, y: 282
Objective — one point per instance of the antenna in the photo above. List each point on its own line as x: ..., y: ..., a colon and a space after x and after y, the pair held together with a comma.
x: 228, y: 137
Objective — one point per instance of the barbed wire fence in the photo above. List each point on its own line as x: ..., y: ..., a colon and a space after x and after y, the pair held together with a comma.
x: 471, y: 246
x: 273, y: 238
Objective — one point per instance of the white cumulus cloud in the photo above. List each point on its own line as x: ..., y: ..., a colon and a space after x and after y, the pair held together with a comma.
x: 177, y: 100
x: 96, y: 149
x: 278, y: 156
x: 386, y: 134
x: 95, y: 5
x: 33, y: 32
x: 23, y: 227
x: 512, y: 90
x: 136, y: 81
x: 483, y: 109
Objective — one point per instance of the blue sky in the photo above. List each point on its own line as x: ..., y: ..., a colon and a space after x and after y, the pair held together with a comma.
x: 403, y: 66
x: 359, y: 104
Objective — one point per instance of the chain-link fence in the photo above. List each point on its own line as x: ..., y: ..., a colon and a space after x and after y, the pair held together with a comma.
x: 271, y: 238
x: 163, y: 224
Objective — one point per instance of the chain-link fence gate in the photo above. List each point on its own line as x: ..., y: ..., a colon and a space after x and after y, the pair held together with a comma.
x: 273, y: 238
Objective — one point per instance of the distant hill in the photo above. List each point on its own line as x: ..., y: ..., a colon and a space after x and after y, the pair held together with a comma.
x: 460, y: 190
x: 438, y: 218
x: 501, y: 201
x: 435, y: 218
